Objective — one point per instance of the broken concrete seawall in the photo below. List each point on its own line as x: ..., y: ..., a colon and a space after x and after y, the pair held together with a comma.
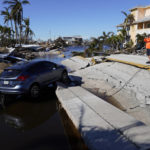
x: 128, y: 85
x: 101, y: 125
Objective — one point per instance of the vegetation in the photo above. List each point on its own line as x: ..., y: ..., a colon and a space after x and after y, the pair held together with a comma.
x: 118, y: 42
x: 5, y: 35
x: 28, y: 33
x: 128, y: 20
x: 109, y: 40
x: 140, y: 40
x: 16, y: 29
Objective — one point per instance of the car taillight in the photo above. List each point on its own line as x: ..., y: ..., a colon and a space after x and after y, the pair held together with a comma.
x: 22, y: 78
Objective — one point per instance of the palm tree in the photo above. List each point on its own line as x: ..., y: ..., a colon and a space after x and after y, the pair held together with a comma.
x: 7, y: 18
x: 112, y: 41
x: 95, y: 42
x: 121, y: 40
x: 17, y: 14
x: 115, y: 41
x: 123, y: 32
x: 28, y: 31
x: 6, y: 14
x: 123, y: 35
x: 5, y: 35
x: 105, y: 37
x: 129, y: 19
x: 92, y: 46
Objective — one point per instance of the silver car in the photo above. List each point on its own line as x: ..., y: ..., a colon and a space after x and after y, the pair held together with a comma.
x: 30, y: 77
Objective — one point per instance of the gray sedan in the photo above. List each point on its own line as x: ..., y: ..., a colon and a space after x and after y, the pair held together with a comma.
x: 30, y: 77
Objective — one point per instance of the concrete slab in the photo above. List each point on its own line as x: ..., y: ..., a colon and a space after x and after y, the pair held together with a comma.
x: 102, y: 125
x: 127, y: 84
x: 76, y: 63
x: 135, y: 60
x: 121, y: 121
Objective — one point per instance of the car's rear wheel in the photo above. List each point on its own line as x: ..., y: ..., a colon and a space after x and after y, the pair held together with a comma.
x: 65, y: 77
x: 35, y: 91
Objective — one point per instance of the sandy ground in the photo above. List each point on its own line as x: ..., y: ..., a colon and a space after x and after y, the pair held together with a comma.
x: 127, y: 87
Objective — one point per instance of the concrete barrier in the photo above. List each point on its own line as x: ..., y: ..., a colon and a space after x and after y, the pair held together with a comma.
x: 102, y: 125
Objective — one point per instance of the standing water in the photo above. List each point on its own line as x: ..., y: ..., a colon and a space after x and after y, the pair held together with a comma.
x: 27, y: 124
x: 67, y: 53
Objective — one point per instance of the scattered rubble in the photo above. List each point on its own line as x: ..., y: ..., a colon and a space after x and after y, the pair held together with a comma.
x: 25, y: 53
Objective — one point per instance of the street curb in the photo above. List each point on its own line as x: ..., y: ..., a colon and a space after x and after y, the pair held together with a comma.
x: 102, y: 125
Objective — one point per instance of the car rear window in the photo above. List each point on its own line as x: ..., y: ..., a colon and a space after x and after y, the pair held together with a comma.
x: 10, y: 72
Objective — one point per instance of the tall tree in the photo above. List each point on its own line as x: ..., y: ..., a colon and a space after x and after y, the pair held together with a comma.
x: 95, y: 43
x: 128, y: 21
x: 6, y: 14
x: 16, y: 7
x: 5, y: 35
x: 103, y: 38
x: 28, y: 32
x: 7, y: 18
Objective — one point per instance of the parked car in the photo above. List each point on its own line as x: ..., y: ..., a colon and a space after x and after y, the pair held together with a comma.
x: 30, y: 77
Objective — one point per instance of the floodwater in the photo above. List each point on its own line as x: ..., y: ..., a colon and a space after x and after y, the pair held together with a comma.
x: 26, y: 124
x: 67, y: 52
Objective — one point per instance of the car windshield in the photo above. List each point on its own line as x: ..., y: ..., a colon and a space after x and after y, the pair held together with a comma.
x: 10, y: 73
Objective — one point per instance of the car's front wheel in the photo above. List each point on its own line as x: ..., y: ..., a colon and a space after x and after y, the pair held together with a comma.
x: 34, y: 91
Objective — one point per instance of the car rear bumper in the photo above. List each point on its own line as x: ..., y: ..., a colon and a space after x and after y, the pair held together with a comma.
x: 16, y: 90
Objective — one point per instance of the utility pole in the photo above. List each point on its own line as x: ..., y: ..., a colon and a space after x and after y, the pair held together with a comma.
x: 50, y: 34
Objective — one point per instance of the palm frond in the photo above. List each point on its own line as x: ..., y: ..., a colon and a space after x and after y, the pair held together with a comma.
x: 124, y: 13
x: 25, y: 2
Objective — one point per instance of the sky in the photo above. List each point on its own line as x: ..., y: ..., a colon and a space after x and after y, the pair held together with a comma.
x: 87, y: 18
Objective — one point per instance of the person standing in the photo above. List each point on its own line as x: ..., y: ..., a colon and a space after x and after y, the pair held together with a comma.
x: 147, y: 41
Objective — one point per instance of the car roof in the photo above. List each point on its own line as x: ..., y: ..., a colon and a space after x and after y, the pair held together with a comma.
x: 26, y: 64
